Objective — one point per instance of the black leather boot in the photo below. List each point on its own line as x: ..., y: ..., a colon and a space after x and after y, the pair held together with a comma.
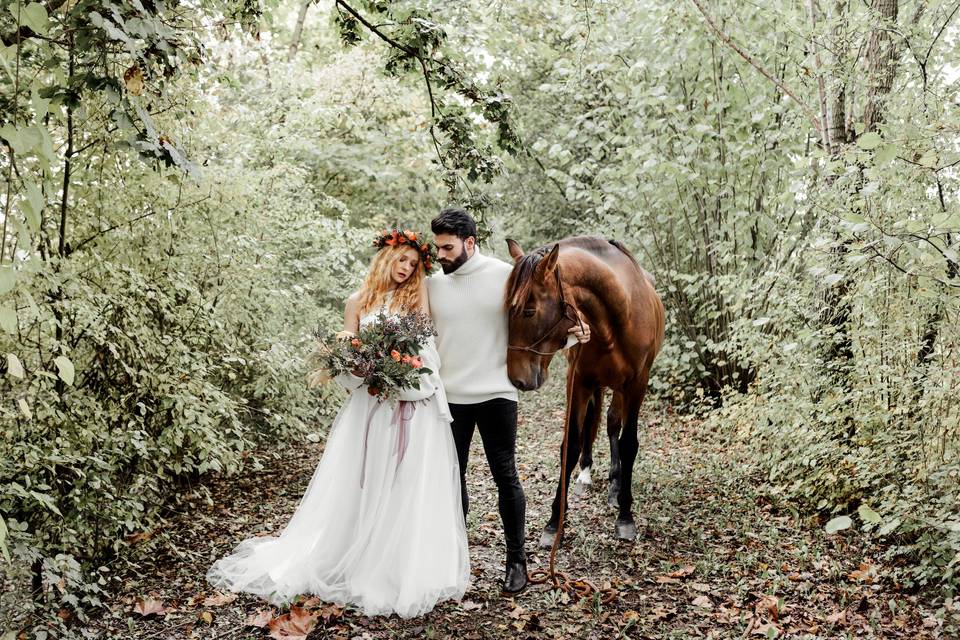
x: 516, y: 578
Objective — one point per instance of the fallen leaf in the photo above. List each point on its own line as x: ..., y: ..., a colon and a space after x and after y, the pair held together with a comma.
x: 149, y: 607
x: 703, y: 602
x: 260, y: 618
x: 840, y: 617
x: 206, y: 616
x: 295, y: 625
x: 142, y: 536
x: 659, y: 613
x: 699, y: 586
x: 682, y: 572
x: 470, y: 605
x: 866, y: 573
x: 631, y: 616
x: 667, y: 580
x: 768, y: 629
x: 219, y: 599
x: 768, y: 607
x: 133, y: 80
x: 517, y: 612
x: 330, y: 611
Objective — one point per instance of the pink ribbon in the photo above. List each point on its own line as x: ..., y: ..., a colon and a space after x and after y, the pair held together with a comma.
x: 402, y: 417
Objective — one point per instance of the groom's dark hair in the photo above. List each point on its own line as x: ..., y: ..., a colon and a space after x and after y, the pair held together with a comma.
x: 455, y: 221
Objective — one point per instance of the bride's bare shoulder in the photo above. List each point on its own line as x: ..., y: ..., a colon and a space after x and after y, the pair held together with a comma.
x: 353, y: 302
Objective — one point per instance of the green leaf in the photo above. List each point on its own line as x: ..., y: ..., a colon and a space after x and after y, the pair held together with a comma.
x: 889, y: 527
x: 869, y: 140
x: 22, y: 140
x: 14, y: 368
x: 3, y: 540
x: 838, y: 524
x: 64, y: 368
x: 8, y: 319
x: 25, y: 408
x: 34, y: 15
x: 33, y: 205
x: 8, y: 278
x: 929, y: 159
x: 886, y: 153
x: 869, y: 515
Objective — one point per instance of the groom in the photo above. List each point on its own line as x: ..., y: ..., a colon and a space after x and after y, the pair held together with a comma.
x: 467, y: 304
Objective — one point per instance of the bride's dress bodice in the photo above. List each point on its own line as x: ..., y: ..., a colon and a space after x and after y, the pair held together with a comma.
x: 430, y: 384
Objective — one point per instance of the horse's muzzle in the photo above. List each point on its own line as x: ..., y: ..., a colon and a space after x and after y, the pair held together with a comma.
x: 528, y: 385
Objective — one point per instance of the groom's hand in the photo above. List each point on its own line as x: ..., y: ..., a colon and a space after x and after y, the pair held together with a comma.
x: 582, y: 331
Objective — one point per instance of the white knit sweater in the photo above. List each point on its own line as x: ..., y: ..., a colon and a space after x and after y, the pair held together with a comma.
x: 468, y: 311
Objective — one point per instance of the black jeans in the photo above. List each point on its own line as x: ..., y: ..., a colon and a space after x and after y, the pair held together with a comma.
x: 497, y: 422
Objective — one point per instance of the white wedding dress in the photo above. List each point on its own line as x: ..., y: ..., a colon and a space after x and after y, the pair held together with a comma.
x: 381, y: 523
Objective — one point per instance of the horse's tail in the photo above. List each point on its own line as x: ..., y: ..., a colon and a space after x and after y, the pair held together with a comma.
x: 622, y: 247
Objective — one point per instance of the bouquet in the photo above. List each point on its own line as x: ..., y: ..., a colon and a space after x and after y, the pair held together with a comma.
x: 385, y: 353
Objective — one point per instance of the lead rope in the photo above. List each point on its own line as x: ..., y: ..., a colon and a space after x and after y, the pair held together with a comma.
x: 581, y: 588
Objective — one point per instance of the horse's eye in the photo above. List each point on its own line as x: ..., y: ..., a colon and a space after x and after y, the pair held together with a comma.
x: 529, y: 313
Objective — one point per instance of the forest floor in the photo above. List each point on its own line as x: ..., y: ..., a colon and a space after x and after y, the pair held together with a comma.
x: 713, y: 558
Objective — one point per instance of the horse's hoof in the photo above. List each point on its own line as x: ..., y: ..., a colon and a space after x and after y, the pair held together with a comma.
x: 582, y: 488
x: 547, y: 538
x: 626, y: 531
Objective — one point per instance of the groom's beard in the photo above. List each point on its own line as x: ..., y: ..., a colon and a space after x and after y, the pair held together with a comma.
x: 449, y: 266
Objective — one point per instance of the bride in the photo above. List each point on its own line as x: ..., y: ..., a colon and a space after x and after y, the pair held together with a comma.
x: 382, y: 532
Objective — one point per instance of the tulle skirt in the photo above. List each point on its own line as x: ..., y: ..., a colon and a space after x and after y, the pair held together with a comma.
x: 396, y: 544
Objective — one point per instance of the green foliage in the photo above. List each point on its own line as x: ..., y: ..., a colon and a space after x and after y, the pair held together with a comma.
x: 812, y: 292
x: 155, y: 317
x: 183, y: 204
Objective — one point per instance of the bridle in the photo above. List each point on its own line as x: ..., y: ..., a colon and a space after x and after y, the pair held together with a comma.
x: 567, y: 308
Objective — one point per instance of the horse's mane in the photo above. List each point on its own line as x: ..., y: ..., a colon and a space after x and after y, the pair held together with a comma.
x: 521, y: 278
x: 520, y: 283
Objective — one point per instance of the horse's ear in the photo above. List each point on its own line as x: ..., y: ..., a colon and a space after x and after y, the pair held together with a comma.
x: 549, y: 263
x: 515, y: 251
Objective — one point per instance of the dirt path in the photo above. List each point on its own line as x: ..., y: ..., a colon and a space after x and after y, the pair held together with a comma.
x: 712, y: 558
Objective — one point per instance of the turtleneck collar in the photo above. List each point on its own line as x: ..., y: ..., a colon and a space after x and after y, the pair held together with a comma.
x: 471, y: 265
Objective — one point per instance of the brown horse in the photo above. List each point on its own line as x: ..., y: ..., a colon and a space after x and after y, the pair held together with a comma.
x: 550, y: 290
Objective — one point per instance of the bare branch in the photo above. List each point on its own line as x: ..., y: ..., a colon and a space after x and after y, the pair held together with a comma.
x: 756, y: 65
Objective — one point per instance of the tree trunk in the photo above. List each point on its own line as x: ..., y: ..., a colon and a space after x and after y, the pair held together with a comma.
x: 881, y: 62
x: 298, y: 30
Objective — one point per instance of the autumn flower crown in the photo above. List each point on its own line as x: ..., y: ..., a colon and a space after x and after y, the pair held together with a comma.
x: 394, y: 237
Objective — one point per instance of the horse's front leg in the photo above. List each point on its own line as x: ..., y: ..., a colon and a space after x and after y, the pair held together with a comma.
x: 578, y: 409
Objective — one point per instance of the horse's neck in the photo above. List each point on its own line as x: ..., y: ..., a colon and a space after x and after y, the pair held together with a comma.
x: 598, y: 294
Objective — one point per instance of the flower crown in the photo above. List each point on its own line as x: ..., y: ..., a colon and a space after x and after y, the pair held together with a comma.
x: 394, y: 237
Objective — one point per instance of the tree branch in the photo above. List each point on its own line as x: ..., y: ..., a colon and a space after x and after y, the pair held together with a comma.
x: 756, y: 65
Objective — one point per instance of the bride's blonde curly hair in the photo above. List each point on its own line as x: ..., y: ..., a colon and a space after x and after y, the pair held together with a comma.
x: 407, y: 297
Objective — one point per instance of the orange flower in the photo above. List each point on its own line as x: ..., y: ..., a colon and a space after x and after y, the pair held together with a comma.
x: 355, y: 342
x: 416, y: 363
x: 395, y: 355
x: 406, y: 359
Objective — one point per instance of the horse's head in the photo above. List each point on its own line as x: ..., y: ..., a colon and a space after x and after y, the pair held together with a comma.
x: 539, y: 316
